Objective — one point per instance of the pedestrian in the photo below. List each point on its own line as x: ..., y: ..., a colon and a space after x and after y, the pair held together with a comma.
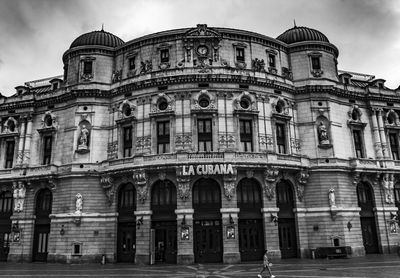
x: 266, y: 265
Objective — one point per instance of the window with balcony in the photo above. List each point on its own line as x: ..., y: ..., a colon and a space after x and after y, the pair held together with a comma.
x: 358, y: 143
x: 87, y: 67
x: 10, y: 146
x: 246, y: 135
x: 164, y: 55
x: 239, y: 54
x: 204, y: 133
x: 315, y: 63
x: 163, y: 137
x: 127, y: 133
x: 280, y: 137
x: 271, y: 60
x: 394, y: 145
x: 47, y: 146
x: 131, y: 63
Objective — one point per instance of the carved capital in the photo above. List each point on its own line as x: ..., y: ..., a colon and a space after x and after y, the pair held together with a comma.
x: 183, y: 186
x: 107, y: 182
x: 270, y: 177
x: 140, y: 179
x: 230, y: 185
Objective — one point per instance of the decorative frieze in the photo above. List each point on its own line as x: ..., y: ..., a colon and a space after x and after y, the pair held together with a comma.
x: 143, y: 144
x: 183, y: 141
x: 230, y: 185
x: 226, y: 140
x: 19, y: 192
x: 183, y: 183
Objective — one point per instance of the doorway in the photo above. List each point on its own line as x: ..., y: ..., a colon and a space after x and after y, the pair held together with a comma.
x: 6, y: 208
x: 44, y: 202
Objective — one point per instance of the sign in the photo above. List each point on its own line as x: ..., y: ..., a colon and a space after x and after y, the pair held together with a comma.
x: 207, y: 169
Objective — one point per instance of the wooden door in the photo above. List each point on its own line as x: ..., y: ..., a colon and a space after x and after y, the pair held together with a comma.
x: 40, y: 242
x: 370, y: 239
x: 287, y: 238
x: 251, y: 239
x: 208, y: 241
x: 126, y: 242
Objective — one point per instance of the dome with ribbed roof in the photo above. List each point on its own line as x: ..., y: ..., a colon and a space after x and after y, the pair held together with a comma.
x: 300, y: 34
x: 101, y: 38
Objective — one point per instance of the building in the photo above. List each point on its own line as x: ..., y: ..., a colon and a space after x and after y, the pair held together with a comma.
x: 198, y: 145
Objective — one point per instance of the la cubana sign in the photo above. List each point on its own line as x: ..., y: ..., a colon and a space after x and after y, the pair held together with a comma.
x: 207, y: 169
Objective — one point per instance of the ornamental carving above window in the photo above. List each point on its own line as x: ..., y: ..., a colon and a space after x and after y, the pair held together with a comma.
x: 204, y: 101
x: 391, y: 118
x: 245, y: 103
x: 162, y: 104
x: 127, y: 109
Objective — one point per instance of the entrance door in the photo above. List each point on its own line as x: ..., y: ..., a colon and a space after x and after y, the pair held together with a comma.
x: 4, y: 243
x: 165, y: 241
x: 207, y: 241
x: 251, y: 239
x: 40, y: 243
x: 370, y: 239
x: 126, y: 242
x: 287, y: 238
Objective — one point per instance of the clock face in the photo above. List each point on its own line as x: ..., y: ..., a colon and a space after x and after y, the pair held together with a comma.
x: 202, y: 50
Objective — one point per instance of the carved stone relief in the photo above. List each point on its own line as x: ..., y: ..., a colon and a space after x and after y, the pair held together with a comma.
x: 270, y: 177
x: 19, y: 192
x: 140, y: 180
x: 108, y: 185
x: 183, y: 185
x: 302, y: 178
x: 230, y: 185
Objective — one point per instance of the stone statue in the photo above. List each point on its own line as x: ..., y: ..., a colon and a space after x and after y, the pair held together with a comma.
x: 83, y: 139
x: 323, y: 134
x: 78, y: 203
x: 331, y: 196
x: 19, y: 196
x: 387, y: 185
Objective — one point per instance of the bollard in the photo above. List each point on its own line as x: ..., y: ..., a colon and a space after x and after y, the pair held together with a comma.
x: 103, y: 259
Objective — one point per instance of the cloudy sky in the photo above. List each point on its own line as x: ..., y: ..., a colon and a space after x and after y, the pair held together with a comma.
x: 34, y: 34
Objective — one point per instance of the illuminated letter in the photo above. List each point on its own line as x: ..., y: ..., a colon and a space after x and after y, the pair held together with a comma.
x: 223, y: 169
x: 191, y: 170
x: 210, y: 169
x: 217, y: 170
x: 230, y: 169
x: 198, y: 169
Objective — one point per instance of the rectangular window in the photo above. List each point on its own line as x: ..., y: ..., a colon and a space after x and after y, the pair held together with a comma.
x: 10, y: 146
x: 246, y: 135
x: 87, y: 67
x: 131, y: 63
x: 346, y: 81
x: 358, y: 143
x: 271, y: 60
x: 281, y: 138
x: 394, y: 145
x: 164, y: 55
x: 316, y: 65
x: 55, y: 86
x: 163, y: 137
x: 204, y: 133
x: 47, y: 142
x: 127, y: 141
x: 240, y: 54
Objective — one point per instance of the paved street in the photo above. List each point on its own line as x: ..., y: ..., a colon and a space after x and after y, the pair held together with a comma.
x: 382, y: 266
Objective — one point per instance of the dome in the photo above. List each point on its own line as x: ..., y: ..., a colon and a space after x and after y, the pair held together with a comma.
x: 101, y: 38
x: 300, y: 34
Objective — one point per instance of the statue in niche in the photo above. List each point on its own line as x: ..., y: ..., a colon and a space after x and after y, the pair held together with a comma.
x: 83, y: 138
x: 323, y: 134
x: 387, y: 184
x: 331, y: 196
x: 19, y: 196
x: 78, y: 203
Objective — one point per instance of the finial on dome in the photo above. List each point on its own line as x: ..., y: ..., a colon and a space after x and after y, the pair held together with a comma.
x: 102, y: 27
x: 294, y: 21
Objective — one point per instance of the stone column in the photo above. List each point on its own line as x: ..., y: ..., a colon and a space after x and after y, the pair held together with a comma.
x: 230, y: 235
x: 184, y: 218
x: 143, y: 233
x: 28, y: 138
x: 271, y: 232
x: 382, y: 134
x: 375, y: 130
x: 20, y: 152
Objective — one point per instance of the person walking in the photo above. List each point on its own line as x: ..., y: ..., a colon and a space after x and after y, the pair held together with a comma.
x: 266, y: 265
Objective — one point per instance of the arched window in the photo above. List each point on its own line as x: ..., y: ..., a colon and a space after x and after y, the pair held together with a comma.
x: 163, y: 196
x: 6, y: 203
x: 206, y: 194
x: 127, y: 198
x: 44, y: 201
x: 249, y: 195
x: 397, y: 195
x: 365, y: 196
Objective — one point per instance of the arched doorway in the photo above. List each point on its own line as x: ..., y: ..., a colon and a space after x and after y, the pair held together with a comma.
x: 126, y: 234
x: 286, y: 220
x: 251, y: 232
x: 207, y: 227
x: 44, y: 201
x: 367, y: 218
x: 163, y: 206
x: 6, y: 209
x: 397, y: 197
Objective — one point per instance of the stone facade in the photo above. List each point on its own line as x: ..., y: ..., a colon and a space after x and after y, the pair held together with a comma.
x: 325, y: 139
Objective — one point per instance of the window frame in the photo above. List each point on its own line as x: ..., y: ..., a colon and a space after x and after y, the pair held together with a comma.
x: 7, y: 155
x: 86, y: 67
x: 204, y: 137
x: 283, y: 141
x: 163, y: 140
x: 359, y: 150
x: 47, y: 151
x: 240, y: 54
x: 271, y: 60
x: 246, y: 137
x: 394, y: 148
x: 127, y: 144
x: 164, y: 55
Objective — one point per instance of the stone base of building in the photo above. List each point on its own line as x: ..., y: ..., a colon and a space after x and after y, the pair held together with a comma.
x: 142, y: 259
x: 185, y: 259
x: 231, y: 258
x: 19, y: 258
x: 80, y: 259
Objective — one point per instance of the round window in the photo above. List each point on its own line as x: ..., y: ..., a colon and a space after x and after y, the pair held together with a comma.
x: 127, y: 111
x: 11, y: 126
x: 244, y: 103
x: 49, y: 121
x: 162, y: 105
x: 204, y: 101
x: 354, y: 115
x: 278, y: 108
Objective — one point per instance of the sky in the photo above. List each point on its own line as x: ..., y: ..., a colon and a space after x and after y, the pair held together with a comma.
x: 34, y: 34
